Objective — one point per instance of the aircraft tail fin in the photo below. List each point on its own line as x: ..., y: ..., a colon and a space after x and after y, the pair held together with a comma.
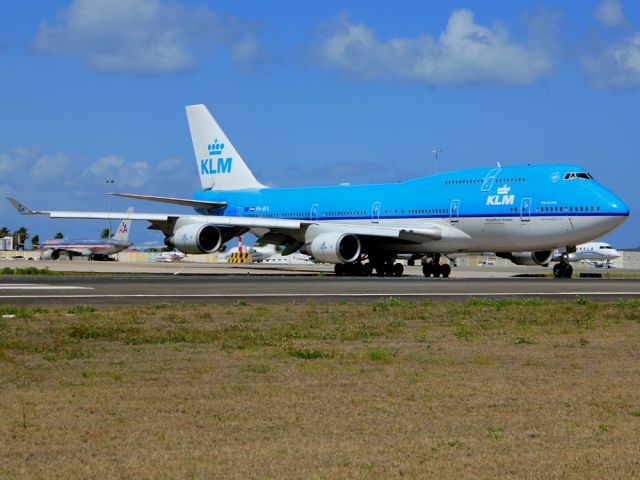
x: 122, y: 234
x: 219, y: 165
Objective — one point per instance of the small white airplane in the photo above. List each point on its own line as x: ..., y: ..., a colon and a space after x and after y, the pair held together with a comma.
x: 94, y: 249
x: 173, y: 256
x: 596, y: 252
x: 593, y: 252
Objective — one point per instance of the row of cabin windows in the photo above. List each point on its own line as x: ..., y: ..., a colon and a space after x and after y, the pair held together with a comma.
x: 344, y: 214
x: 353, y: 214
x: 498, y: 180
x: 432, y: 211
x: 568, y: 209
x: 463, y: 182
x: 510, y: 180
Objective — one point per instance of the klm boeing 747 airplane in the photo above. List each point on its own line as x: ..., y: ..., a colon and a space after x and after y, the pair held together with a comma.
x: 523, y: 213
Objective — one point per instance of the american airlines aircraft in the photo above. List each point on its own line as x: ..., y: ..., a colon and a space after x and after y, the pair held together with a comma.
x: 94, y: 249
x: 524, y: 212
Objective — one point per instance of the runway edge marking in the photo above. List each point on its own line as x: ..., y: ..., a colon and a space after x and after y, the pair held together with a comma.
x: 320, y: 295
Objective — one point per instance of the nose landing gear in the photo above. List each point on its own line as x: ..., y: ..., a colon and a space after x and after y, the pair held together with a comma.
x: 562, y: 270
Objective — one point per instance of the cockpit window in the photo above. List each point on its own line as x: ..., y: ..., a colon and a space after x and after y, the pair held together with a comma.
x: 576, y: 175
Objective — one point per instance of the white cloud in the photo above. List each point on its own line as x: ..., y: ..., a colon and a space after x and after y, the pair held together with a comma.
x: 616, y: 65
x: 609, y: 12
x: 465, y: 53
x: 140, y: 36
x: 31, y: 169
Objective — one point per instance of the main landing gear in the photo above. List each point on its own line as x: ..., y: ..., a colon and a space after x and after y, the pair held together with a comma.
x: 383, y: 267
x: 562, y: 270
x: 433, y: 268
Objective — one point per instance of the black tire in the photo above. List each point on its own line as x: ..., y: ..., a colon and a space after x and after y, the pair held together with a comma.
x: 557, y: 270
x: 398, y: 269
x: 358, y: 269
x: 568, y: 271
x: 445, y: 270
x: 427, y: 269
x: 339, y: 269
x: 388, y: 269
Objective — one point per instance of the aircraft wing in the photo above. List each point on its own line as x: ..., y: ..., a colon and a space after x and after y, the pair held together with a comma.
x: 288, y: 227
x: 176, y: 201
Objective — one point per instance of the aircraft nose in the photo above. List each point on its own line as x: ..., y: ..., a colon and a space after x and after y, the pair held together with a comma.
x: 620, y: 210
x: 619, y: 207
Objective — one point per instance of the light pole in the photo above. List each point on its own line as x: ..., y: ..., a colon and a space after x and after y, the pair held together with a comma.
x: 109, y: 183
x: 436, y: 151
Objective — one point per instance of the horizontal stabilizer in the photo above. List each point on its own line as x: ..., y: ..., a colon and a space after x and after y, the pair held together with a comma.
x: 176, y: 201
x: 23, y: 209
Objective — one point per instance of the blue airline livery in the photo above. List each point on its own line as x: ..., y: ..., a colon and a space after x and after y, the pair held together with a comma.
x: 523, y: 213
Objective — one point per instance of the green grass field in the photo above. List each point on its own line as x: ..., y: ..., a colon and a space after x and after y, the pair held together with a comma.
x: 481, y: 389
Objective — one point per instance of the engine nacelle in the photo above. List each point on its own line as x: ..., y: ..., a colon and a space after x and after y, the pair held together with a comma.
x: 542, y: 257
x: 335, y: 247
x: 50, y: 255
x: 195, y: 238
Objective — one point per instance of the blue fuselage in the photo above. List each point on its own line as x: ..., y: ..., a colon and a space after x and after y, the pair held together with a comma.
x: 509, y: 207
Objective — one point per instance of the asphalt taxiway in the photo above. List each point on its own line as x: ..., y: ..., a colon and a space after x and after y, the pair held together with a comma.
x: 197, y: 289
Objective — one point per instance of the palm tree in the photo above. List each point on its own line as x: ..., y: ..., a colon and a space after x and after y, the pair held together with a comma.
x: 20, y: 236
x: 104, y: 233
x: 5, y: 232
x: 58, y: 236
x: 35, y: 240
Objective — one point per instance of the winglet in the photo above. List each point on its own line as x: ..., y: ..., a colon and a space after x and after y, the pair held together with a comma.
x: 24, y: 210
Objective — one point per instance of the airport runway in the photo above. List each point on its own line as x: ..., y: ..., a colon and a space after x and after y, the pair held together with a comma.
x: 137, y: 290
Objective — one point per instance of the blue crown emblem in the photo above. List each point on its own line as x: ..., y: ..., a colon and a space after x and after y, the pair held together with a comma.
x: 215, y: 148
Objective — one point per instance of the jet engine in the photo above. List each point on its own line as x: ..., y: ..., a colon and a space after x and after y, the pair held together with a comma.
x: 542, y: 257
x: 50, y: 255
x: 335, y: 247
x: 195, y: 238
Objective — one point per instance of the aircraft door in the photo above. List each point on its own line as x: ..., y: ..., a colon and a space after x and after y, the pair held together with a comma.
x: 239, y: 212
x: 314, y: 212
x: 488, y: 180
x: 375, y: 212
x: 525, y: 209
x: 455, y: 207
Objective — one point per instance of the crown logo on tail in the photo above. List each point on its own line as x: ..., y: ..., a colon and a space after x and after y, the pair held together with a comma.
x: 215, y: 148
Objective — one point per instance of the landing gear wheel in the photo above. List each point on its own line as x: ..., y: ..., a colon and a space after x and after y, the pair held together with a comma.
x: 427, y: 269
x: 339, y: 269
x: 357, y: 269
x: 436, y: 270
x: 445, y: 270
x: 398, y: 269
x: 562, y: 270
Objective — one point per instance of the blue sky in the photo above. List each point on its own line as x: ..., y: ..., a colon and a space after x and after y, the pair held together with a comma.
x: 311, y: 93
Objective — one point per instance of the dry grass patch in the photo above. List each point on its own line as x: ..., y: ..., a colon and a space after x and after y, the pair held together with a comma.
x: 481, y: 389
